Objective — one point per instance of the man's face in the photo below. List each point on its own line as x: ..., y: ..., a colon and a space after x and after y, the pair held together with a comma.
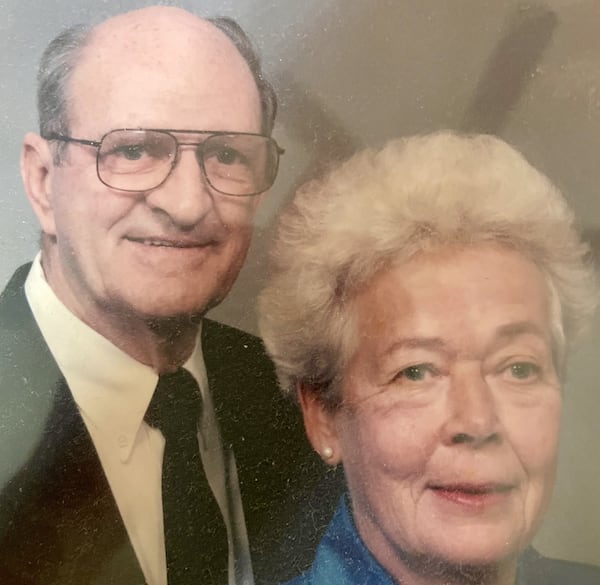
x: 177, y: 249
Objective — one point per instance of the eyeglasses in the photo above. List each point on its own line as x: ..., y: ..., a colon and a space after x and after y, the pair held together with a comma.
x: 233, y: 163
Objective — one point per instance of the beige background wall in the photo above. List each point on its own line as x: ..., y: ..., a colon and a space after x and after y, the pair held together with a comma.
x: 352, y: 73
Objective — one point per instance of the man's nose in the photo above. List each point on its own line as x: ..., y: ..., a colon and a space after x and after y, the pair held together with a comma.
x: 185, y: 196
x: 472, y: 415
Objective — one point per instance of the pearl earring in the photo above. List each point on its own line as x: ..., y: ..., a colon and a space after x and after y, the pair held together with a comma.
x: 328, y: 452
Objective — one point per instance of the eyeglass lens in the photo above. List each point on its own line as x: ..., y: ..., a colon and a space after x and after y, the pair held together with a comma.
x: 234, y: 164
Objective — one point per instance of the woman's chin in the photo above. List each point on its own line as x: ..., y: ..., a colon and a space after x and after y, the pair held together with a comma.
x: 488, y: 536
x: 475, y: 551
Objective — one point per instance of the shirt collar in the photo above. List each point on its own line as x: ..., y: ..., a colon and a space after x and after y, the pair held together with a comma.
x: 111, y: 389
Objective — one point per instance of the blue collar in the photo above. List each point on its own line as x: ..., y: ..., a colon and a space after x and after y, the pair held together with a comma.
x: 342, y: 558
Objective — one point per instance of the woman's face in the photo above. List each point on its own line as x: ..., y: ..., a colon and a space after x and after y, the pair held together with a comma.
x: 451, y: 404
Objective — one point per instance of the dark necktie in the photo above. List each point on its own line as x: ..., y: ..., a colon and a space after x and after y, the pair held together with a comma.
x: 195, y: 534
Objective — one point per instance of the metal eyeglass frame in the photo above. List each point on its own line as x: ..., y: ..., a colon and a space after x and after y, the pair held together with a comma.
x: 171, y: 132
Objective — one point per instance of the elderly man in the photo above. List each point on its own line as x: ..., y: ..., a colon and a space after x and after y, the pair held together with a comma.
x: 141, y: 442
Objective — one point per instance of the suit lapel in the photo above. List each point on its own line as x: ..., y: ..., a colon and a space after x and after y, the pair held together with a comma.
x: 281, y: 481
x: 61, y: 521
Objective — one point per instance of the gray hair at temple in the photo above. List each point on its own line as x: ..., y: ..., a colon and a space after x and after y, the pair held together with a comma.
x: 382, y: 207
x: 62, y: 55
x: 239, y: 38
x: 56, y: 66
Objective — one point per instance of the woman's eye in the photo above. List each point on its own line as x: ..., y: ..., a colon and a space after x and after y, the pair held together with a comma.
x: 416, y: 373
x: 524, y: 370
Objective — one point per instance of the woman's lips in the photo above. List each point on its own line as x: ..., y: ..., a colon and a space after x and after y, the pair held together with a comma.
x: 476, y: 495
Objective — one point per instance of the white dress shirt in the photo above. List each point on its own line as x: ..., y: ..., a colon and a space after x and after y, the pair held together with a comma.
x: 112, y: 392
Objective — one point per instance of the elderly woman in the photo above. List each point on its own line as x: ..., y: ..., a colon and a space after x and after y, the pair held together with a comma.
x: 421, y: 303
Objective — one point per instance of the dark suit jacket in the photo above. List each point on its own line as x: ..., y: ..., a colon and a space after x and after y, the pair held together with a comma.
x: 58, y: 519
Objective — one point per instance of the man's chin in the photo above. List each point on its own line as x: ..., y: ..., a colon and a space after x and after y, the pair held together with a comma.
x: 160, y: 300
x: 173, y: 324
x: 167, y: 310
x: 191, y: 314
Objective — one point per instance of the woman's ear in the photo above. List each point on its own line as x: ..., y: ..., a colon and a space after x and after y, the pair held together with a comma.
x: 37, y: 166
x: 320, y: 424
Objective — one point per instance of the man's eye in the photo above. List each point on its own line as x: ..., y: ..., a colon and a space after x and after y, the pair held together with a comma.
x: 524, y: 370
x: 130, y: 151
x: 228, y: 156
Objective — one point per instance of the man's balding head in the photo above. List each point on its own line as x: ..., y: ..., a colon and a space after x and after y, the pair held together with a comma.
x: 64, y: 53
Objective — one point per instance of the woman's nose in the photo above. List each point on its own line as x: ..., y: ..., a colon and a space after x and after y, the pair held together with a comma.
x: 472, y: 416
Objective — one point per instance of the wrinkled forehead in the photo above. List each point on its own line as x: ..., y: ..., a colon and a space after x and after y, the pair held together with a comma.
x: 177, y: 54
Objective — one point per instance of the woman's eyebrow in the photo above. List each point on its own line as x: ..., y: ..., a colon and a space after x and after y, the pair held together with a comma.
x: 502, y: 334
x: 505, y: 334
x: 520, y: 328
x: 430, y: 343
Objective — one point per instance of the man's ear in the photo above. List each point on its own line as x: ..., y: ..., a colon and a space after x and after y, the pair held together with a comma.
x: 37, y: 166
x: 320, y: 424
